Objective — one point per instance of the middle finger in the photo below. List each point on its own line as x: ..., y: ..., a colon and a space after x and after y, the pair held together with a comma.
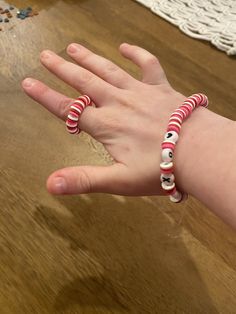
x: 102, y: 67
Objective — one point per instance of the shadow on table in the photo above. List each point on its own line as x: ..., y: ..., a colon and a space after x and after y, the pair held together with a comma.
x: 146, y: 267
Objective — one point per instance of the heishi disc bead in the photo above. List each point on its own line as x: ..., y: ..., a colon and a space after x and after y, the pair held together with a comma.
x: 167, y: 155
x: 72, y: 124
x: 176, y: 119
x: 78, y: 106
x: 178, y: 113
x: 86, y: 99
x: 172, y: 136
x: 72, y: 116
x: 166, y: 165
x: 73, y: 130
x: 171, y: 191
x: 167, y: 178
x: 183, y: 112
x: 190, y: 102
x: 173, y: 128
x: 176, y: 124
x: 76, y: 109
x: 188, y: 108
x: 197, y: 99
x: 167, y: 171
x: 201, y: 99
x: 168, y: 144
x: 205, y: 101
x: 176, y: 197
x: 83, y: 99
x: 80, y: 102
x: 167, y: 187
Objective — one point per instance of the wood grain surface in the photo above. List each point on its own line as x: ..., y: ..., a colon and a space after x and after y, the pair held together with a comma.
x: 102, y: 253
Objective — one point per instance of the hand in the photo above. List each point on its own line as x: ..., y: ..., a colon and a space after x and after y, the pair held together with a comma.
x: 130, y: 118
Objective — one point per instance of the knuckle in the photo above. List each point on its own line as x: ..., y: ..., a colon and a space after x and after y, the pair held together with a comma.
x: 63, y: 106
x: 152, y: 60
x: 84, y: 182
x: 84, y: 55
x: 109, y: 68
x: 111, y: 123
x: 58, y: 63
x: 85, y: 78
x: 128, y: 102
x: 106, y: 127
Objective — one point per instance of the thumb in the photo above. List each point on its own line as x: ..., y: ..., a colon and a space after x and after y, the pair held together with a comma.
x: 88, y: 179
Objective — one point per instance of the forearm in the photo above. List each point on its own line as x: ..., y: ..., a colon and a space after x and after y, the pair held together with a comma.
x: 205, y: 162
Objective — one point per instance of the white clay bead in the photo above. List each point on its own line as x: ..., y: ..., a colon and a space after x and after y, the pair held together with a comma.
x: 167, y: 187
x: 168, y: 141
x: 176, y: 197
x: 182, y: 111
x: 175, y: 124
x: 168, y: 178
x: 166, y: 165
x: 79, y: 102
x: 71, y: 124
x: 73, y: 131
x: 172, y: 136
x: 73, y: 117
x: 88, y: 99
x: 176, y: 118
x: 180, y: 114
x: 190, y: 102
x: 167, y: 154
x: 79, y: 111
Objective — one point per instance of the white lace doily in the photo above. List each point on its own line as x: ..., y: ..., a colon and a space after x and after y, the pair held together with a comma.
x: 212, y: 20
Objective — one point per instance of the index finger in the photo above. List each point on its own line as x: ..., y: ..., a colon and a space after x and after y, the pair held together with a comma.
x: 53, y: 101
x: 79, y: 78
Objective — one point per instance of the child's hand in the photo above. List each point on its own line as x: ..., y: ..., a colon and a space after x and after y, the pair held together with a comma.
x: 130, y: 119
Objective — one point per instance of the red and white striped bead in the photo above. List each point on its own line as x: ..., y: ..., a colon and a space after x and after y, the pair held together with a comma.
x: 176, y: 118
x: 73, y: 116
x: 75, y: 130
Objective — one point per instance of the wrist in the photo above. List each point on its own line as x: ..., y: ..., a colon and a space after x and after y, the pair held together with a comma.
x: 198, y: 142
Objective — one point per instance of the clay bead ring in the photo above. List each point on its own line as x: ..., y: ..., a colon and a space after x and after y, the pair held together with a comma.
x: 76, y: 110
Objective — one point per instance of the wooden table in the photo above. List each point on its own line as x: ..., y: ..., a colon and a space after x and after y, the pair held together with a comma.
x: 102, y: 253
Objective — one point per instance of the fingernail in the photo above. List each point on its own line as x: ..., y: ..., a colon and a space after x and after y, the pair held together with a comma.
x: 73, y: 48
x: 59, y: 185
x: 46, y: 54
x: 125, y: 45
x: 28, y: 82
